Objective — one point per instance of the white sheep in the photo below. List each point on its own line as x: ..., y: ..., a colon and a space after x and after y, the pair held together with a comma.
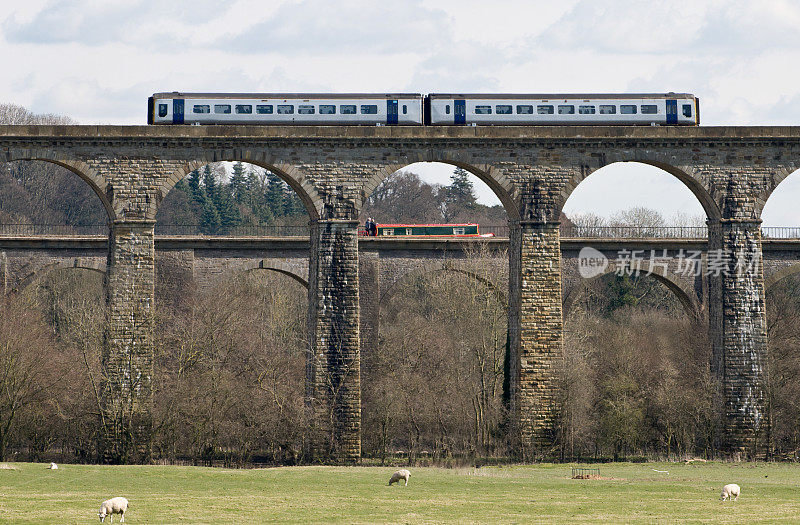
x: 113, y: 506
x: 53, y: 466
x: 731, y: 490
x: 397, y: 476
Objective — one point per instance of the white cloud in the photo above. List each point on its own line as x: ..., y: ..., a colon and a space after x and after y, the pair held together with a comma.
x: 98, y: 60
x: 346, y: 26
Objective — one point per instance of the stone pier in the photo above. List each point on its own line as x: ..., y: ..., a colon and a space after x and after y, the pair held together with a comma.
x: 126, y: 388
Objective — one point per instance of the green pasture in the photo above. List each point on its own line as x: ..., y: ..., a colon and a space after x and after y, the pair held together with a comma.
x: 629, y: 493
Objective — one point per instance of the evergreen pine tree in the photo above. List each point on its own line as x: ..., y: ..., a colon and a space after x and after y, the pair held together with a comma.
x: 275, y: 195
x: 461, y: 190
x: 458, y: 196
x: 210, y: 182
x: 227, y: 209
x: 256, y: 198
x: 292, y: 203
x: 238, y: 183
x: 209, y: 219
x: 621, y: 291
x: 194, y: 187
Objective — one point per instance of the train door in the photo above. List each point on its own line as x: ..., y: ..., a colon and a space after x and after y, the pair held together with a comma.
x: 391, y: 112
x: 177, y: 111
x: 460, y: 112
x: 672, y: 111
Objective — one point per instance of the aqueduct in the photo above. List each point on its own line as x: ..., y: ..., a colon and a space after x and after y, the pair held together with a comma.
x: 731, y: 170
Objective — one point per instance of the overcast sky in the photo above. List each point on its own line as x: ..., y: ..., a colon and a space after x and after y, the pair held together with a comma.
x: 98, y: 60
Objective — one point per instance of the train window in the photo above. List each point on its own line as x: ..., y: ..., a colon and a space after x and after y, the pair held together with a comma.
x: 566, y: 109
x: 201, y: 108
x: 483, y: 110
x: 447, y: 109
x: 244, y: 109
x: 524, y: 109
x: 162, y: 110
x: 649, y: 109
x: 458, y: 231
x: 608, y: 109
x: 347, y: 109
x: 327, y: 109
x: 503, y: 109
x: 627, y: 109
x: 405, y: 109
x: 687, y: 110
x: 285, y: 109
x: 264, y: 109
x: 586, y: 110
x: 369, y: 109
x: 544, y: 110
x: 305, y: 109
x: 222, y: 108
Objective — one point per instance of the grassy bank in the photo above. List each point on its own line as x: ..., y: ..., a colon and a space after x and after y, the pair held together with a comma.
x: 630, y: 493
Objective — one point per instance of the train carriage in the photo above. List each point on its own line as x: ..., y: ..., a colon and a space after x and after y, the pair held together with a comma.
x: 286, y: 109
x: 670, y: 109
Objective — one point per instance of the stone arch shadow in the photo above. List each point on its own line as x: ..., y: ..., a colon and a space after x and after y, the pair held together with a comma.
x: 277, y: 267
x: 86, y: 173
x: 691, y: 306
x: 31, y: 277
x: 501, y: 185
x: 294, y: 177
x: 392, y: 289
x: 684, y: 173
x: 778, y: 276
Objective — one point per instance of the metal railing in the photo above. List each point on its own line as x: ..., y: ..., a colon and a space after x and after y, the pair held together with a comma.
x: 52, y: 230
x: 780, y: 232
x: 500, y: 231
x: 634, y: 232
x: 241, y: 230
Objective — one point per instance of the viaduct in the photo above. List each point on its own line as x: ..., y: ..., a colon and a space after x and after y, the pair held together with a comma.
x: 533, y: 170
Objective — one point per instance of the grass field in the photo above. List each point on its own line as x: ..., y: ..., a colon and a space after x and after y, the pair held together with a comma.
x: 632, y: 493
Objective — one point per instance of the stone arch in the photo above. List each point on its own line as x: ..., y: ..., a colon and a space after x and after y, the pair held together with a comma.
x: 278, y: 267
x: 501, y: 185
x: 777, y: 177
x: 290, y: 174
x: 77, y: 263
x: 691, y: 306
x: 683, y: 173
x: 89, y: 175
x: 394, y: 286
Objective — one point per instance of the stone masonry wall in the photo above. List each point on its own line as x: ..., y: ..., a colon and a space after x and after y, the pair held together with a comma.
x: 127, y: 357
x: 744, y: 337
x: 3, y: 274
x: 536, y: 353
x: 334, y: 369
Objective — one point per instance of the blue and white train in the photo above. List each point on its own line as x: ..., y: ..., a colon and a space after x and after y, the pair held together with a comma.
x: 414, y: 109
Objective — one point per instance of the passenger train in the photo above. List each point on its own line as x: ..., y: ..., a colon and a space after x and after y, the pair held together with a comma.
x: 414, y: 109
